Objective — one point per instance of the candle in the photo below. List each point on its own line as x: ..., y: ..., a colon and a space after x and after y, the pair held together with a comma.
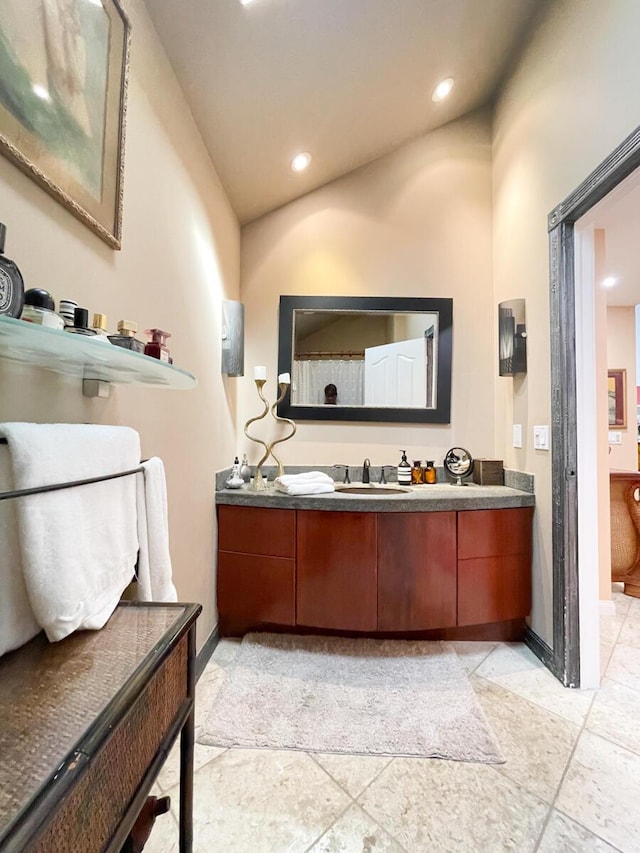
x: 260, y: 372
x: 284, y: 379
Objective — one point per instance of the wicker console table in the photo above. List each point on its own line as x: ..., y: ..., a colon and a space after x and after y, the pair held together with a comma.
x: 86, y: 724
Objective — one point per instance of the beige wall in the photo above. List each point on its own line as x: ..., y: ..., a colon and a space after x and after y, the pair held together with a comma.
x: 180, y: 258
x: 570, y: 101
x: 414, y: 223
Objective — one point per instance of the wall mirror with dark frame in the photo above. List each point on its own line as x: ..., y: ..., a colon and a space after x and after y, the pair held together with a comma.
x: 354, y: 358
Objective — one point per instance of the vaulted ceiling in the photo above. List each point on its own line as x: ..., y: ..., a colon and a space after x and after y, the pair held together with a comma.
x: 346, y: 80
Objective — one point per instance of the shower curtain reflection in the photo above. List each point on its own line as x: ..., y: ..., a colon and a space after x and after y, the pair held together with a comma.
x: 311, y: 376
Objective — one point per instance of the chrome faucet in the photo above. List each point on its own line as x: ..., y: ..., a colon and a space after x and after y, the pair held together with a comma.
x: 366, y: 465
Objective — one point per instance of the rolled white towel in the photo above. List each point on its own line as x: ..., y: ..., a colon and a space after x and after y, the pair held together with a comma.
x: 305, y: 477
x: 308, y: 488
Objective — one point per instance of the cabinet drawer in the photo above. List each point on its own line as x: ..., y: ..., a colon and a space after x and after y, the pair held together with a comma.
x: 254, y: 591
x: 494, y: 532
x: 257, y: 530
x: 494, y: 589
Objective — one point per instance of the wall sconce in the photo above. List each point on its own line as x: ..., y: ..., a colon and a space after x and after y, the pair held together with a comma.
x: 232, y: 360
x: 512, y: 337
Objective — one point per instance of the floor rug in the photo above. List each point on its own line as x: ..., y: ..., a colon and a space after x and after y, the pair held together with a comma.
x: 355, y: 696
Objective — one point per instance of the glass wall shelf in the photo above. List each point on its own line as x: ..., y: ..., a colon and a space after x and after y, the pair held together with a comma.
x: 86, y: 357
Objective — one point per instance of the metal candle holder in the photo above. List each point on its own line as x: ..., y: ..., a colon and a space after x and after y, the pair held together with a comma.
x: 283, y: 390
x: 259, y: 483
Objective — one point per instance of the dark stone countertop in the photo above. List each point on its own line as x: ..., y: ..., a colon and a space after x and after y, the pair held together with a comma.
x: 433, y: 498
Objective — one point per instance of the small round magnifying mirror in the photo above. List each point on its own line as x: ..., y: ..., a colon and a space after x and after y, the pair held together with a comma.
x: 459, y: 463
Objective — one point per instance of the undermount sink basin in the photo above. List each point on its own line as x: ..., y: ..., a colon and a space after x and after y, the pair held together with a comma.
x: 372, y: 489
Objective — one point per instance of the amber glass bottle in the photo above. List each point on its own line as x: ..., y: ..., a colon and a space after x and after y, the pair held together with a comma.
x: 416, y: 473
x: 430, y: 473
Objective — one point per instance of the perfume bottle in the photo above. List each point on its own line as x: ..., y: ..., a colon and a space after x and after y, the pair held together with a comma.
x: 80, y: 323
x: 156, y: 346
x: 416, y: 473
x: 245, y: 470
x: 66, y: 307
x: 11, y: 283
x: 39, y: 308
x: 125, y: 337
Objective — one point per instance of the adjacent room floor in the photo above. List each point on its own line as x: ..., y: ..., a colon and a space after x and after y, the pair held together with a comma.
x: 570, y: 781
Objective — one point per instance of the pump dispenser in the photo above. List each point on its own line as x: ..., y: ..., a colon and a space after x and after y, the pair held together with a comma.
x: 404, y: 470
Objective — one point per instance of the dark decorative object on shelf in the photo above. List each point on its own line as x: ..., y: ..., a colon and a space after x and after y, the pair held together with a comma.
x: 11, y: 283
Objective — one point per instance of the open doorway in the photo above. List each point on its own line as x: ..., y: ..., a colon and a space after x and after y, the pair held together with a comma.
x: 575, y: 443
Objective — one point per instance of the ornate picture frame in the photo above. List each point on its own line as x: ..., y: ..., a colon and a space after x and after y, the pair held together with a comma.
x: 63, y: 91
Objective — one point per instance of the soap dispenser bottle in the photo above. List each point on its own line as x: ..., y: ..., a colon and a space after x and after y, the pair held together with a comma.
x: 404, y: 470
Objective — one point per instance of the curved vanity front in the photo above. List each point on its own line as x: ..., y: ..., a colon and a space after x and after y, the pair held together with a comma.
x: 438, y: 561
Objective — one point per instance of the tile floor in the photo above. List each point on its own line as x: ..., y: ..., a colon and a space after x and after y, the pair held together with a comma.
x: 571, y: 781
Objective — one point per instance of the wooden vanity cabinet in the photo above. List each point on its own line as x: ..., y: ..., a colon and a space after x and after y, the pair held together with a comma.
x: 494, y: 565
x: 256, y: 568
x: 373, y: 571
x: 337, y: 572
x: 416, y: 571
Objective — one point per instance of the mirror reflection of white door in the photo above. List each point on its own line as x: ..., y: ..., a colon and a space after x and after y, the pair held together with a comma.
x: 396, y: 374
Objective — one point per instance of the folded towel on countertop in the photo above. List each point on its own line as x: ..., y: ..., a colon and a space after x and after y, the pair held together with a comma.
x: 305, y: 488
x: 305, y: 477
x: 77, y: 546
x: 154, y: 560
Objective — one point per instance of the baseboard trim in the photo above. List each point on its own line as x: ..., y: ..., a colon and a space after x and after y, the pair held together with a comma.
x: 540, y: 649
x: 204, y: 655
x: 607, y: 607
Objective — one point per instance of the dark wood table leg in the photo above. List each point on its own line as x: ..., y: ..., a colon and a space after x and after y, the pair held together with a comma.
x: 187, y: 740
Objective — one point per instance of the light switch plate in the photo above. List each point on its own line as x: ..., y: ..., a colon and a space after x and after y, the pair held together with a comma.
x: 517, y: 435
x: 541, y: 437
x: 615, y: 437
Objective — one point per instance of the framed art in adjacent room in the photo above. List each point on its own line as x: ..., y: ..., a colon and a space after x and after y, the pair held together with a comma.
x: 63, y: 85
x: 616, y: 396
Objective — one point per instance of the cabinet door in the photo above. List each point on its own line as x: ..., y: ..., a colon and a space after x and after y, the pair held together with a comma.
x: 416, y: 571
x: 494, y: 565
x: 256, y: 568
x: 336, y: 570
x: 254, y: 592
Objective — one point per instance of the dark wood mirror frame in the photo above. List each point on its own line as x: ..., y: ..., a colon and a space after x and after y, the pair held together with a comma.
x: 440, y: 414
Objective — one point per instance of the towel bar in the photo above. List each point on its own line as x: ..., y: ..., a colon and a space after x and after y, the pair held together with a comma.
x: 54, y: 487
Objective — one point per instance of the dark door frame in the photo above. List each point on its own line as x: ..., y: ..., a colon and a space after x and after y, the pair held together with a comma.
x: 564, y: 658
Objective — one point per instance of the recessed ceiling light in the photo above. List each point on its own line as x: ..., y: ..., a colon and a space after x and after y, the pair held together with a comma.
x: 41, y: 92
x: 246, y: 2
x: 442, y: 89
x: 301, y: 161
x: 609, y: 281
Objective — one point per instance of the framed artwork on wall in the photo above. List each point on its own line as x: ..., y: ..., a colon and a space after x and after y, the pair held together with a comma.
x: 512, y: 337
x: 616, y: 395
x: 63, y: 86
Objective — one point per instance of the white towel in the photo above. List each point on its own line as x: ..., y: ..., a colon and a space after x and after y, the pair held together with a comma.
x: 78, y: 545
x: 305, y: 477
x: 17, y: 622
x: 154, y: 560
x: 308, y: 488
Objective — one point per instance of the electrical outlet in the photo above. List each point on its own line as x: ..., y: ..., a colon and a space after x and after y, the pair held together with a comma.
x: 615, y: 437
x: 517, y: 435
x: 541, y: 437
